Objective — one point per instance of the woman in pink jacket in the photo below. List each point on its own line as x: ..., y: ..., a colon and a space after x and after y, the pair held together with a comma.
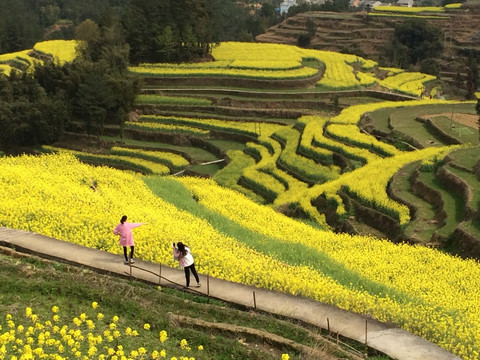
x: 124, y: 229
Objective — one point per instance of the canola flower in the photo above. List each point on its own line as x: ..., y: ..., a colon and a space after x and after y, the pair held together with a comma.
x: 142, y: 162
x: 453, y: 6
x: 62, y: 51
x: 447, y: 286
x: 280, y: 61
x: 31, y: 337
x: 352, y: 114
x: 247, y: 127
x: 351, y: 134
x: 416, y: 9
x: 313, y: 134
x: 412, y: 83
x: 36, y: 205
x: 245, y: 60
x: 169, y: 158
x: 19, y: 61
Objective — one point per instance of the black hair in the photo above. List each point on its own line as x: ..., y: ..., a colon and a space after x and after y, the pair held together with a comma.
x: 181, y: 247
x: 123, y: 219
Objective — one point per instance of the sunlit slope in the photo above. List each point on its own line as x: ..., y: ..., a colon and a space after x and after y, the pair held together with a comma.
x: 60, y: 51
x: 263, y: 61
x: 422, y: 290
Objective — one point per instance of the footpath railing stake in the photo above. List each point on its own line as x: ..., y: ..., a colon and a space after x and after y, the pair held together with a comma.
x: 208, y: 284
x: 366, y: 346
x: 328, y: 326
x: 254, y: 301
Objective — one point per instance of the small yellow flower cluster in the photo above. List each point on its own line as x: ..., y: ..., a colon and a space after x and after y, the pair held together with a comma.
x: 404, y: 9
x: 86, y: 340
x: 411, y: 83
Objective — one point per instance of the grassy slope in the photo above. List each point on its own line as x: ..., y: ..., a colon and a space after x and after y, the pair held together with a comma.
x: 28, y: 281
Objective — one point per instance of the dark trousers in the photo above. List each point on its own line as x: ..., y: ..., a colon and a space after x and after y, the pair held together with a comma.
x: 187, y: 273
x: 125, y: 252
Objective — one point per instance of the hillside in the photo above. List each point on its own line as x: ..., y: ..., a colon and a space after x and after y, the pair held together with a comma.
x: 350, y: 151
x: 367, y: 34
x: 150, y: 320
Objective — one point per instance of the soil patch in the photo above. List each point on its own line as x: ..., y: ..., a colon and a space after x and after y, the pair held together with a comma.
x: 464, y: 119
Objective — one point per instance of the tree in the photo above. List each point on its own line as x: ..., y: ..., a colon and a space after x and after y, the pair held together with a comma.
x: 166, y: 45
x: 88, y: 31
x: 477, y: 109
x: 418, y: 38
x: 430, y: 66
x: 303, y: 40
x: 28, y: 116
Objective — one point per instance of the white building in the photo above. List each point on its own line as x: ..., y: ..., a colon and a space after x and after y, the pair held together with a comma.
x: 406, y: 3
x: 284, y: 6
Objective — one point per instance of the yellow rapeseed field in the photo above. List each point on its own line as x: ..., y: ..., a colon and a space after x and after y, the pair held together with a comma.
x: 427, y: 292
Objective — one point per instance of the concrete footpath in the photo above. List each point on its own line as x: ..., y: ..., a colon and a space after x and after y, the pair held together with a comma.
x: 396, y: 343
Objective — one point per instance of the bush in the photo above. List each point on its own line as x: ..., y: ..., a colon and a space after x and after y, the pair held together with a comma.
x: 430, y: 66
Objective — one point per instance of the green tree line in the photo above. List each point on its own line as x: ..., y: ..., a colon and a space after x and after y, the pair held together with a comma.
x: 96, y: 88
x: 93, y: 90
x: 156, y: 30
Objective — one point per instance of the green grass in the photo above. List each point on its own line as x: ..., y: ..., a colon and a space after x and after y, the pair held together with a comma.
x: 171, y: 100
x: 466, y: 134
x: 473, y: 227
x: 31, y: 282
x: 453, y: 203
x: 212, y: 114
x: 473, y: 183
x: 209, y: 170
x: 195, y: 153
x: 28, y: 281
x: 467, y: 158
x: 408, y: 114
x: 226, y: 145
x: 415, y: 129
x: 420, y: 228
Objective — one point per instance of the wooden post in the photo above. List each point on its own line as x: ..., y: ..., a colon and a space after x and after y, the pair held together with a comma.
x: 208, y: 284
x: 160, y: 275
x: 130, y: 271
x: 254, y: 301
x: 328, y: 326
x: 366, y: 346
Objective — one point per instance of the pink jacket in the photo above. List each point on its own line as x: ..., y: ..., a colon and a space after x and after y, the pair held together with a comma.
x: 125, y: 232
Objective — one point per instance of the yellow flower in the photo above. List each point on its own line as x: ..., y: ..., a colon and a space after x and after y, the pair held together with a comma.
x: 55, y: 309
x: 200, y: 347
x: 285, y: 357
x: 163, y: 336
x: 94, y: 304
x: 146, y: 326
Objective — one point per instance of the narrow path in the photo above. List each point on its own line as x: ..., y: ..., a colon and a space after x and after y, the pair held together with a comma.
x: 396, y: 343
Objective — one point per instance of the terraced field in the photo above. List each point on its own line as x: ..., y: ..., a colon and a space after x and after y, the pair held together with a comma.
x: 370, y: 160
x: 310, y: 153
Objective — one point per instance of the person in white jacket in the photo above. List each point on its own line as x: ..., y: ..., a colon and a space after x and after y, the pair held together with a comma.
x: 182, y: 253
